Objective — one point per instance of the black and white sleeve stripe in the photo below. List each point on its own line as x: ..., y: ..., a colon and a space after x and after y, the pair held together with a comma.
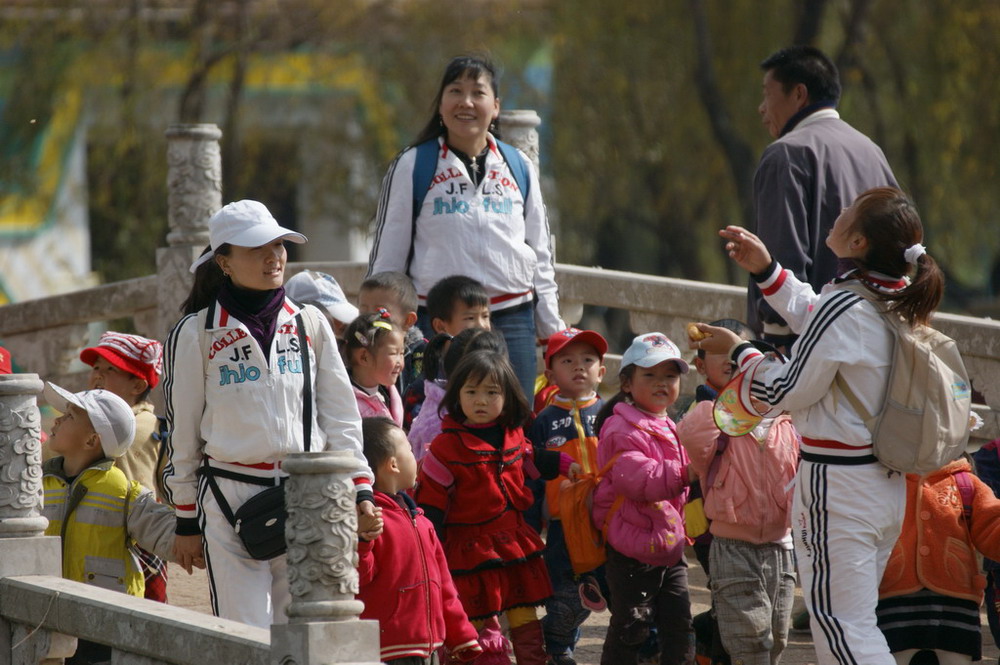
x: 829, y: 311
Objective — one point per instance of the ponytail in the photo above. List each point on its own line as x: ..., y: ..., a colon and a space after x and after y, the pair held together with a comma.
x: 208, y: 279
x: 607, y: 409
x: 609, y: 406
x: 889, y: 221
x: 434, y: 356
x: 917, y: 302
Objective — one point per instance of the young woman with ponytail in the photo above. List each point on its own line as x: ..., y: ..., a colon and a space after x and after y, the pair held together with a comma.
x: 848, y: 508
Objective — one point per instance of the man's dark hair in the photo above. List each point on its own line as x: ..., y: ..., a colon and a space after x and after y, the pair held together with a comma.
x: 378, y: 447
x: 806, y: 65
x: 443, y: 296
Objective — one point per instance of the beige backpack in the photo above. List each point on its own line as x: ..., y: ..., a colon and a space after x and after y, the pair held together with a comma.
x: 924, y: 422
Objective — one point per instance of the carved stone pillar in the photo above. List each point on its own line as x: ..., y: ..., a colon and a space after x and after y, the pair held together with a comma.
x: 518, y: 127
x: 194, y: 193
x: 23, y: 548
x: 323, y: 624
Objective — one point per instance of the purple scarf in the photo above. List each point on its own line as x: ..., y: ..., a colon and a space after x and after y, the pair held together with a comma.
x: 257, y: 310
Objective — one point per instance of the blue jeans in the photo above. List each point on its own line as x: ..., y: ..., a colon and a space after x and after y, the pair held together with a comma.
x: 517, y: 324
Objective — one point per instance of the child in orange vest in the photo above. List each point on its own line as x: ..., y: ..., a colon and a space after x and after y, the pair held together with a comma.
x: 932, y: 588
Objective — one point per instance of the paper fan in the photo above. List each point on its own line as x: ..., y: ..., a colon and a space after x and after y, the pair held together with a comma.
x: 732, y: 411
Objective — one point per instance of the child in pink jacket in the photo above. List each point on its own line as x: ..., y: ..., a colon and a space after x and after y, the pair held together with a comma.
x: 746, y: 484
x: 639, y: 504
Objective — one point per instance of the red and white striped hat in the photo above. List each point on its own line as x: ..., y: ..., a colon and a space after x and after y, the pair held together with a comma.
x: 136, y: 355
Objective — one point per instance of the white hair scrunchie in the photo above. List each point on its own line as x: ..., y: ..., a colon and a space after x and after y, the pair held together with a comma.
x: 914, y: 252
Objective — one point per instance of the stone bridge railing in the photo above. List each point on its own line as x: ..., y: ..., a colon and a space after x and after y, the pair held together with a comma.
x: 46, y: 335
x: 42, y: 615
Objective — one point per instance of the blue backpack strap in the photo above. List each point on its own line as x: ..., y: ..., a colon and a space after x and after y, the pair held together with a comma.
x: 423, y: 172
x: 518, y: 168
x: 424, y: 167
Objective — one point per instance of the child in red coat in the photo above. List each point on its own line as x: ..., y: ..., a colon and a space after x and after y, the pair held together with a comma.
x: 472, y: 486
x: 405, y: 583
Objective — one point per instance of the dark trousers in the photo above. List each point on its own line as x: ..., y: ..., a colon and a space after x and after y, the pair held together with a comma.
x: 992, y: 598
x: 643, y: 596
x: 564, y: 614
x: 415, y: 660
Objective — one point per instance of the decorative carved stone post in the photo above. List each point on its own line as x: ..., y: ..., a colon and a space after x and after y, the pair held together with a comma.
x: 323, y: 625
x: 21, y: 469
x: 518, y: 127
x: 194, y: 193
x: 23, y: 548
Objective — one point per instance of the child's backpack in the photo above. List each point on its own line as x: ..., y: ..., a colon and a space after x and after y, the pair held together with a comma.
x: 584, y: 541
x: 923, y: 423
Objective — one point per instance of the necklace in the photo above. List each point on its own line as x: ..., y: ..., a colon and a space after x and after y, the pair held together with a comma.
x: 474, y: 167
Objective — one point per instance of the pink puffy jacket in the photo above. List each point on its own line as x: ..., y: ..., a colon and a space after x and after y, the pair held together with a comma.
x: 650, y: 474
x: 749, y: 498
x: 370, y: 406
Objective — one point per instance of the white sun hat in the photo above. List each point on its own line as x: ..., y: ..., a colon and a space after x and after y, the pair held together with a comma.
x: 651, y: 349
x: 244, y: 223
x: 111, y: 416
x: 322, y: 290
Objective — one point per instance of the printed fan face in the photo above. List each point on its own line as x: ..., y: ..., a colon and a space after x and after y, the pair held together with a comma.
x: 731, y: 410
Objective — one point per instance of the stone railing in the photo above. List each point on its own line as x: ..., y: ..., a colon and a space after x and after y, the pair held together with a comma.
x: 44, y: 334
x: 43, y: 615
x: 46, y: 614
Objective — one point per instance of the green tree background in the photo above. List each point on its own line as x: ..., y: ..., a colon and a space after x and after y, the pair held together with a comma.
x: 650, y: 129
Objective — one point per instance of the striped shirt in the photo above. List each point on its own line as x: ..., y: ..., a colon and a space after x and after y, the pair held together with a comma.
x: 839, y: 331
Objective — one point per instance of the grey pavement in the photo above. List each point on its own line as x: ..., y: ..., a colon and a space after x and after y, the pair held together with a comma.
x: 192, y: 592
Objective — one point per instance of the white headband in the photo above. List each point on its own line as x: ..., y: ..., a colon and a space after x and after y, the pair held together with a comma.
x: 914, y: 252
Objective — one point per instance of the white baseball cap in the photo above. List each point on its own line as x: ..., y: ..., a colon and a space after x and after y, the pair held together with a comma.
x: 111, y: 416
x: 244, y: 223
x: 651, y: 349
x: 321, y: 289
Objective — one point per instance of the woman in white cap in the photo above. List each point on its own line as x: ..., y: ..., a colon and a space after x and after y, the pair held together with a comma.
x: 250, y: 377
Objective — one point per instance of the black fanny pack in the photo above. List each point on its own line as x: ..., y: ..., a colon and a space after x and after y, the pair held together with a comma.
x: 260, y: 521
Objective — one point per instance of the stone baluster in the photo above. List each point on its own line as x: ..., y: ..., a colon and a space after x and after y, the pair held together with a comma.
x: 24, y: 550
x: 323, y: 624
x: 518, y: 128
x: 194, y: 193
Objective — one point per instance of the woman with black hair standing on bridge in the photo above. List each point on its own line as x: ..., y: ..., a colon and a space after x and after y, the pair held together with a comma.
x: 848, y: 508
x: 460, y: 202
x: 250, y: 377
